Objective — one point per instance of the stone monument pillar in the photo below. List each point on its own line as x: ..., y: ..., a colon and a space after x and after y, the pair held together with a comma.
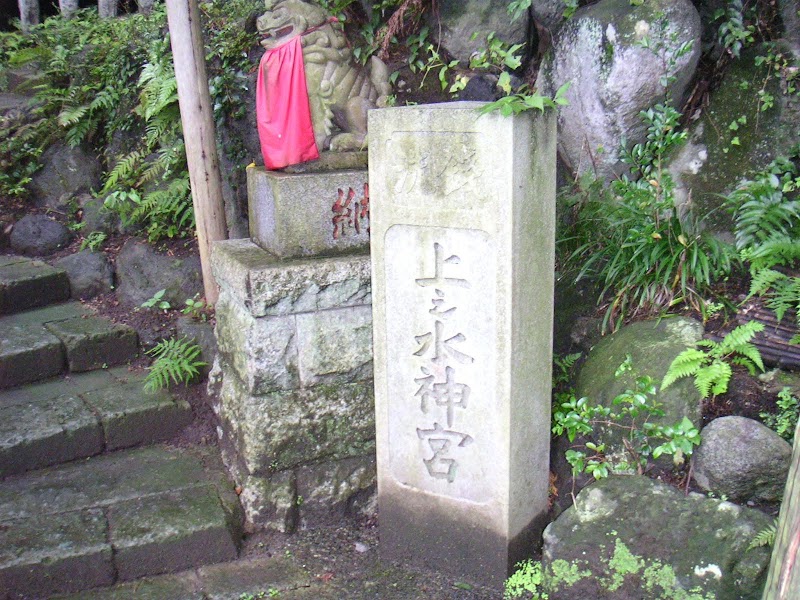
x: 462, y: 221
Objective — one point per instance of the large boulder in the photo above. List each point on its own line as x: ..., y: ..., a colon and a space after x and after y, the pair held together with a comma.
x: 630, y: 537
x: 38, y: 235
x: 465, y: 25
x: 601, y: 52
x: 142, y: 271
x: 653, y: 345
x: 735, y: 137
x: 742, y: 459
x: 64, y: 170
x: 90, y: 273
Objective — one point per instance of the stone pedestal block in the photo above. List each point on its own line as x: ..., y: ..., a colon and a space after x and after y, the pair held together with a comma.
x: 296, y: 403
x: 309, y: 214
x: 462, y: 253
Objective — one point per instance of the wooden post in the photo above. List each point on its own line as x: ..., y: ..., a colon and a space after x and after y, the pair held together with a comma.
x: 783, y: 581
x: 188, y: 55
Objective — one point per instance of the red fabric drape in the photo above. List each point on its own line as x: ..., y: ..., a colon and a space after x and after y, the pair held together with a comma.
x: 283, y: 113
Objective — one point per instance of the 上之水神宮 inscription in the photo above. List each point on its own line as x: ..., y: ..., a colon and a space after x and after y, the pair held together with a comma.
x: 444, y: 367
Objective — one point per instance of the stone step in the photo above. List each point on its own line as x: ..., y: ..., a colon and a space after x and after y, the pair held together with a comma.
x: 83, y: 415
x: 115, y: 518
x: 273, y: 577
x: 38, y: 344
x: 27, y: 283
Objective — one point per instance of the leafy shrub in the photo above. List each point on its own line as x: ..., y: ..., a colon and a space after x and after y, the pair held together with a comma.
x: 633, y: 239
x: 784, y: 422
x: 766, y: 215
x: 102, y: 78
x: 631, y: 413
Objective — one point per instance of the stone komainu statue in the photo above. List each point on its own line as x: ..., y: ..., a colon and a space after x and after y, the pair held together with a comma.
x: 340, y: 91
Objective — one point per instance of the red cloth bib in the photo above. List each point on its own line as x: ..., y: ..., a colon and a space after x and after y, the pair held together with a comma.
x: 283, y: 113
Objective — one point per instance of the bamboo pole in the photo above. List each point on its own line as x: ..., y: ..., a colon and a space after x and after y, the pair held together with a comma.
x: 194, y: 99
x: 783, y: 580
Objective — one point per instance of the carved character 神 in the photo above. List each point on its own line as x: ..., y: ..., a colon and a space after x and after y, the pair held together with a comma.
x: 340, y: 91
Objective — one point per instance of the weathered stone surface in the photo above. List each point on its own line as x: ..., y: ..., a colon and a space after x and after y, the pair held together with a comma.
x: 95, y: 342
x: 202, y: 333
x: 101, y: 481
x: 308, y: 214
x: 95, y: 217
x: 267, y: 286
x: 47, y: 554
x: 183, y: 586
x: 462, y: 248
x: 252, y: 577
x: 90, y: 273
x: 326, y: 491
x: 262, y: 351
x: 142, y: 271
x: 458, y: 22
x: 131, y: 416
x: 58, y: 312
x: 46, y: 431
x: 742, y: 459
x: 285, y: 429
x: 652, y: 345
x: 27, y: 353
x: 677, y: 542
x: 335, y: 346
x: 65, y: 170
x: 270, y: 502
x: 354, y: 160
x: 790, y: 15
x: 169, y: 532
x: 38, y: 235
x: 716, y: 158
x: 26, y: 284
x: 613, y: 77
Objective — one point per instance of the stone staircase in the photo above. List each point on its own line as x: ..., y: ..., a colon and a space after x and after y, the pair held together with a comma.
x: 88, y: 496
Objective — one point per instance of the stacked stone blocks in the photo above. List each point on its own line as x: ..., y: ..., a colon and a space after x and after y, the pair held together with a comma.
x: 294, y: 372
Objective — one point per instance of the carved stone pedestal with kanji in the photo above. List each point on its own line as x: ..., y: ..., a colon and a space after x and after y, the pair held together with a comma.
x: 463, y: 213
x: 312, y: 213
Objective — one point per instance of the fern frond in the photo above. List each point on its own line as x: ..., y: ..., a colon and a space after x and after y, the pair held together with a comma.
x: 78, y: 132
x: 765, y: 537
x: 71, y: 115
x: 124, y: 170
x: 739, y: 338
x: 176, y: 360
x: 713, y: 379
x: 687, y: 363
x: 762, y: 280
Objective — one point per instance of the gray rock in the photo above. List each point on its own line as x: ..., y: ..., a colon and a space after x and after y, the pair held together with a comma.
x: 652, y: 345
x: 459, y: 20
x: 202, y: 333
x: 715, y: 159
x: 549, y: 13
x: 613, y: 77
x: 38, y: 235
x: 742, y: 459
x: 95, y: 216
x: 790, y: 15
x: 142, y: 271
x: 630, y: 537
x: 90, y: 273
x: 64, y: 170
